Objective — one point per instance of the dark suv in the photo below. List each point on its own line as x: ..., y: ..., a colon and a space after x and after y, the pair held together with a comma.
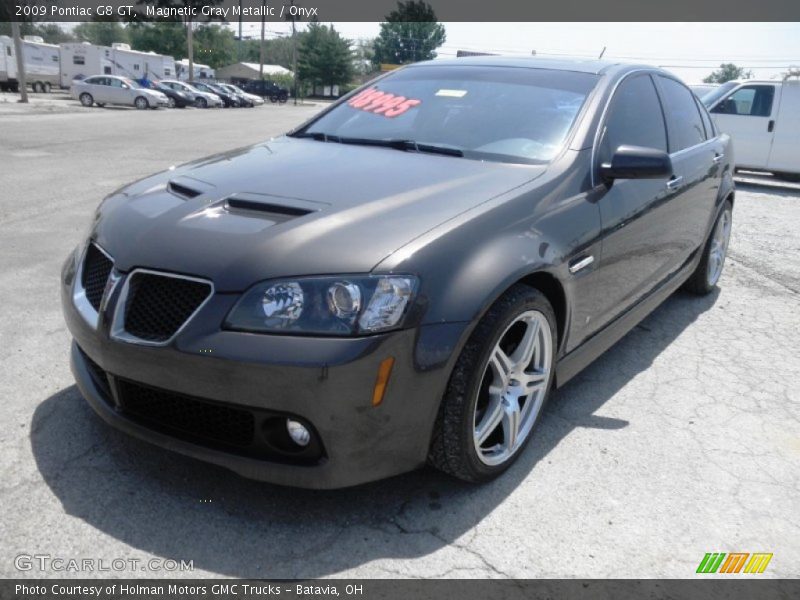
x: 404, y: 278
x: 266, y: 89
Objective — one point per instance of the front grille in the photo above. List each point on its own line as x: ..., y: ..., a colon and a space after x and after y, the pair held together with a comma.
x: 158, y: 305
x: 96, y: 268
x: 186, y: 417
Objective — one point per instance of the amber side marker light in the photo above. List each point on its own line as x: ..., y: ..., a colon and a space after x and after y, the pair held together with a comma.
x: 384, y: 371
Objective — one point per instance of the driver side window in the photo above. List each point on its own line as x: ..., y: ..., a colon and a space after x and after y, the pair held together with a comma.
x: 634, y: 118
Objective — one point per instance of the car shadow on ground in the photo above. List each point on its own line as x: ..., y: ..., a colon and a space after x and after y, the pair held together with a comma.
x: 174, y: 507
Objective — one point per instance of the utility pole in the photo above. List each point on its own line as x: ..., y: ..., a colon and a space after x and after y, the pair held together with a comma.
x: 239, y: 47
x: 21, y: 83
x: 190, y: 50
x: 261, y: 49
x: 294, y: 55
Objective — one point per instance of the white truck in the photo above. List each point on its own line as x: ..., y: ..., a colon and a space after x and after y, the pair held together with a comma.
x: 763, y: 118
x: 200, y: 71
x: 81, y: 60
x: 41, y: 62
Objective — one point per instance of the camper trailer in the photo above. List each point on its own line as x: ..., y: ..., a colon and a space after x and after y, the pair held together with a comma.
x: 41, y: 63
x: 200, y: 71
x: 81, y: 60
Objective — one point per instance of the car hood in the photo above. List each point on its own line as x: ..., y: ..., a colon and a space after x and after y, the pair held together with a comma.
x: 292, y: 207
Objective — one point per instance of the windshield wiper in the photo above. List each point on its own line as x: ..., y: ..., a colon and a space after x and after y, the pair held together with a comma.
x: 399, y: 144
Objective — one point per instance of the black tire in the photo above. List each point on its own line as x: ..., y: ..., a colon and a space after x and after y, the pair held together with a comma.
x: 171, y: 102
x: 699, y: 283
x: 283, y: 98
x: 46, y: 87
x: 86, y: 99
x: 452, y: 448
x: 201, y: 103
x: 273, y: 98
x: 37, y: 87
x: 101, y: 104
x: 141, y: 103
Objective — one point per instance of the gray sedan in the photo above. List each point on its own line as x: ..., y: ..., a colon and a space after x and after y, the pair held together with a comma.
x: 108, y: 89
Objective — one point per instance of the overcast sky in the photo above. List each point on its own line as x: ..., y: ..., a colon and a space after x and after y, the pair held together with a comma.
x: 690, y: 50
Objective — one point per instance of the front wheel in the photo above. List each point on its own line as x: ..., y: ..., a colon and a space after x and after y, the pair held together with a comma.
x: 709, y: 270
x: 171, y: 102
x: 201, y: 103
x: 498, y: 387
x: 141, y: 103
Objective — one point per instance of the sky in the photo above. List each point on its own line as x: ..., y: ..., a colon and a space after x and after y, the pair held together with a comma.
x: 690, y: 50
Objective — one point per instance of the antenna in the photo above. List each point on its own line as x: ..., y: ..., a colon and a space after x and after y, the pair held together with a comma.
x: 601, y: 53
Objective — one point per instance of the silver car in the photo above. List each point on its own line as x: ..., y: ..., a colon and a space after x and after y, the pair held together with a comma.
x: 201, y: 99
x: 109, y: 89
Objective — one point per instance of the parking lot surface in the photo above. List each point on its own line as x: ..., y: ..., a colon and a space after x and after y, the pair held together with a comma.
x: 681, y: 440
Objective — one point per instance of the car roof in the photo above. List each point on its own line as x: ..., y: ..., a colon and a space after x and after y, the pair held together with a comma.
x: 580, y: 65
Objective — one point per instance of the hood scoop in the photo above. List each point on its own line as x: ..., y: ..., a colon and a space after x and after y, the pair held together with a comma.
x: 188, y: 187
x: 274, y: 208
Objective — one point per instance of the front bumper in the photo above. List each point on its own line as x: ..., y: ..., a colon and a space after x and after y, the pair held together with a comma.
x: 327, y: 382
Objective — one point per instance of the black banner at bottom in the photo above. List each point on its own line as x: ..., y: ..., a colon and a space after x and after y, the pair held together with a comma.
x: 386, y: 589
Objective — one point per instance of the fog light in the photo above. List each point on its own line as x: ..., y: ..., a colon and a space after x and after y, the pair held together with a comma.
x: 297, y: 431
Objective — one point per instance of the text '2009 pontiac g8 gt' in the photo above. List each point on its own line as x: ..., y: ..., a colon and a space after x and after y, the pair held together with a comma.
x: 403, y: 279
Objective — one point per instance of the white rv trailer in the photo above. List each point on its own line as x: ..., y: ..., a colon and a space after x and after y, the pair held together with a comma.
x: 81, y: 60
x: 41, y: 63
x: 200, y: 71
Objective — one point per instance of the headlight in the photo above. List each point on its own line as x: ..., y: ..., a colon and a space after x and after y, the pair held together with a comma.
x: 335, y: 305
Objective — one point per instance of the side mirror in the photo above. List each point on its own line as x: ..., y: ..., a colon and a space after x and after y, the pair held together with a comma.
x: 636, y: 162
x: 125, y: 86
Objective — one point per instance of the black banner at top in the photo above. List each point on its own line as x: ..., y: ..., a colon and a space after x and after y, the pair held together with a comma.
x: 376, y: 10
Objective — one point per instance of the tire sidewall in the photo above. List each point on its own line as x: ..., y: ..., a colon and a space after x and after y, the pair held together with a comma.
x: 141, y: 103
x: 89, y: 96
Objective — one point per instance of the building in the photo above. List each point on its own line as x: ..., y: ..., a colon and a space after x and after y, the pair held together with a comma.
x: 243, y: 70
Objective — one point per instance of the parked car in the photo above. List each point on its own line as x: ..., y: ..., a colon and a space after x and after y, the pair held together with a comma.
x: 701, y: 89
x: 228, y: 99
x: 110, y: 89
x: 175, y: 98
x: 266, y: 89
x: 201, y: 99
x: 763, y: 118
x: 405, y: 277
x: 250, y: 99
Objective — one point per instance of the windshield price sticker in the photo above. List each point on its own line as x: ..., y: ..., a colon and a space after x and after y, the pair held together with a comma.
x: 382, y: 103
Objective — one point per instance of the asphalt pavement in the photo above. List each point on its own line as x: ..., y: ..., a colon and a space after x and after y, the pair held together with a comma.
x: 683, y: 439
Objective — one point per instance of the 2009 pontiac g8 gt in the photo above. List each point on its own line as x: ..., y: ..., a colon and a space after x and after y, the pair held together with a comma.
x: 404, y: 278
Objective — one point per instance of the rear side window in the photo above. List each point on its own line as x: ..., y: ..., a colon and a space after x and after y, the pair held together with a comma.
x: 748, y: 101
x: 706, y: 120
x: 634, y: 118
x: 684, y: 123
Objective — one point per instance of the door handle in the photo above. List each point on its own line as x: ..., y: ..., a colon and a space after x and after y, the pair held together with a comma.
x: 718, y: 158
x: 771, y: 126
x: 674, y: 183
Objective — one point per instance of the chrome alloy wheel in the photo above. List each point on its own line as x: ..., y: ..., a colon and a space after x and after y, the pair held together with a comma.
x: 513, y: 388
x: 719, y: 247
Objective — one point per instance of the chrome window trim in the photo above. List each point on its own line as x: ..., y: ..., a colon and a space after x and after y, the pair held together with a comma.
x: 79, y: 299
x: 118, y: 332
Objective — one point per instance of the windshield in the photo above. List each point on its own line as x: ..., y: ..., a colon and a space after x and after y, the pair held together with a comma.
x: 488, y: 113
x: 709, y: 98
x: 131, y: 82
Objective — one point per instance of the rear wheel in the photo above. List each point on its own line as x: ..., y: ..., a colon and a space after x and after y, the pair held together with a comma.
x: 37, y: 87
x: 86, y: 99
x: 46, y: 87
x: 709, y: 270
x: 499, y: 385
x: 171, y: 102
x: 141, y: 103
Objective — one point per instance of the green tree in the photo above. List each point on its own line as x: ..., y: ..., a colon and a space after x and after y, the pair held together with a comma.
x: 728, y: 72
x: 102, y: 33
x: 214, y: 45
x: 49, y: 32
x: 161, y: 37
x: 411, y: 33
x: 324, y: 56
x: 277, y: 51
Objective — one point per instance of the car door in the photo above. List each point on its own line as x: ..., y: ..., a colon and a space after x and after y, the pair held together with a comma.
x: 100, y: 89
x: 748, y: 115
x: 636, y: 214
x: 696, y: 162
x: 785, y: 154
